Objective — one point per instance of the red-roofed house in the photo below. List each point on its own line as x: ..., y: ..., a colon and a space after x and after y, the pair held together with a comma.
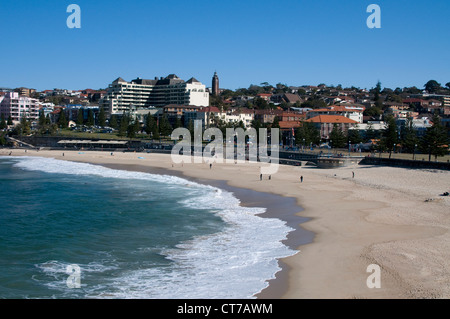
x: 289, y: 120
x: 325, y: 123
x: 265, y: 96
x: 351, y: 112
x: 418, y: 104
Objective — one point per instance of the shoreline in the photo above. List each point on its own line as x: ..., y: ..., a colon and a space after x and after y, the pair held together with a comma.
x: 276, y: 206
x: 277, y: 286
x: 392, y: 217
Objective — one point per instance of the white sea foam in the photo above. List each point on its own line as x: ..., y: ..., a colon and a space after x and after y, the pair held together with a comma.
x: 233, y: 263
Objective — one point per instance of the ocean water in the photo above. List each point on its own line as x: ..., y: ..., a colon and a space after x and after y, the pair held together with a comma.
x: 131, y: 235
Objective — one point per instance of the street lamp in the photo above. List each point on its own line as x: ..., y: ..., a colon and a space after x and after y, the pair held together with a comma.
x: 394, y: 148
x: 414, y: 154
x: 349, y: 147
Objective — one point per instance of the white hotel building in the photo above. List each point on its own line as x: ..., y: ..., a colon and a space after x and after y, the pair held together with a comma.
x: 123, y: 96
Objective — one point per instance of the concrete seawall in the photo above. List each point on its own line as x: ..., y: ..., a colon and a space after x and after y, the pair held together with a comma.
x: 404, y: 163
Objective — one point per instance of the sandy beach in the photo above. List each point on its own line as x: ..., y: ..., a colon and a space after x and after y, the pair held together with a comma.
x: 391, y: 217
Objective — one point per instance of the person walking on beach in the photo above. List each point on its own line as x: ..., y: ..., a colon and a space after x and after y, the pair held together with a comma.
x: 301, y: 179
x: 353, y: 174
x: 210, y: 165
x: 260, y: 177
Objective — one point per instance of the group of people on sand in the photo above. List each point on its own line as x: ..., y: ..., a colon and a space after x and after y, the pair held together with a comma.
x: 301, y: 177
x: 261, y: 177
x: 270, y: 177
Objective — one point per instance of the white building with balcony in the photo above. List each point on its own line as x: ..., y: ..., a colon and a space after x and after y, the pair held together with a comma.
x: 236, y: 116
x: 19, y: 107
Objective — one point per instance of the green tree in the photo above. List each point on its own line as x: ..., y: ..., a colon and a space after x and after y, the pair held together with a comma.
x: 256, y: 124
x: 389, y: 135
x: 314, y: 103
x: 307, y: 134
x: 281, y: 88
x: 267, y: 87
x: 90, y: 120
x: 435, y: 140
x: 248, y: 105
x: 284, y: 105
x: 10, y: 120
x: 373, y: 111
x: 408, y: 137
x: 178, y: 122
x: 132, y: 128
x: 241, y: 125
x: 191, y: 128
x: 62, y: 120
x: 3, y: 138
x: 52, y: 129
x: 149, y: 124
x: 123, y: 127
x: 354, y: 136
x: 101, y: 117
x: 113, y: 121
x: 377, y: 91
x: 377, y: 99
x: 260, y: 103
x: 215, y: 100
x: 411, y: 90
x: 337, y: 137
x: 137, y: 126
x: 25, y: 126
x: 432, y: 86
x: 41, y: 121
x: 165, y: 129
x: 226, y: 94
x: 80, y: 117
x: 3, y: 124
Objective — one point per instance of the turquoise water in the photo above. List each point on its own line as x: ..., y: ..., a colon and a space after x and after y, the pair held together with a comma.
x: 132, y: 235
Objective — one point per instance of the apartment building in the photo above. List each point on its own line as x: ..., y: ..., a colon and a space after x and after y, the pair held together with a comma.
x: 123, y: 96
x: 25, y: 91
x: 446, y: 101
x: 18, y: 107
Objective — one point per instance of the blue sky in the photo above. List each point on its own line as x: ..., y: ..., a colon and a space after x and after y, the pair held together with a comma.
x: 246, y: 42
